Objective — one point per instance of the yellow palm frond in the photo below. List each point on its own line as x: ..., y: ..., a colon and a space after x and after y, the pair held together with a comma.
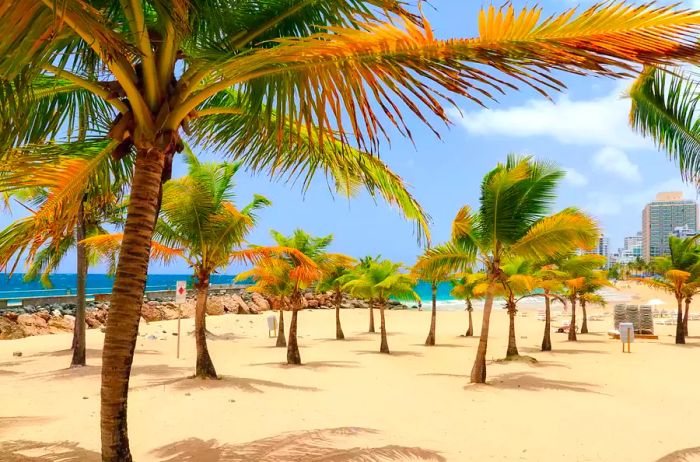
x: 108, y: 246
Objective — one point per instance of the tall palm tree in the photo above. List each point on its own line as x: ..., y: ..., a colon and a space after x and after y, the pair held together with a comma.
x: 465, y: 288
x: 383, y: 280
x: 512, y: 221
x: 581, y: 272
x: 434, y: 278
x: 334, y: 278
x: 101, y: 185
x: 283, y: 85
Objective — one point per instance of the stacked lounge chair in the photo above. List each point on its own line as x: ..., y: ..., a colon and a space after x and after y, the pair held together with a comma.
x: 620, y: 315
x: 646, y: 319
x: 633, y: 316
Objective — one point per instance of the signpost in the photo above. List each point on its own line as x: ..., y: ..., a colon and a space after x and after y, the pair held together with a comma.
x: 626, y: 335
x: 180, y: 298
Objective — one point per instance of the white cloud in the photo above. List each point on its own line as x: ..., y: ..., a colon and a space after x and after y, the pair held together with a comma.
x: 616, y: 162
x: 601, y: 204
x: 600, y: 121
x: 574, y: 177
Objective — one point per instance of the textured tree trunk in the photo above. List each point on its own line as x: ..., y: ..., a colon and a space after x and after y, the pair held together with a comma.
x: 685, y: 316
x: 584, y: 323
x: 470, y: 328
x: 371, y: 316
x: 125, y: 307
x: 78, y: 358
x: 338, y: 328
x: 205, y: 366
x: 547, y: 337
x: 680, y: 337
x: 512, y: 343
x: 293, y: 356
x: 384, y: 347
x: 478, y: 374
x: 572, y: 326
x: 430, y: 340
x: 281, y: 340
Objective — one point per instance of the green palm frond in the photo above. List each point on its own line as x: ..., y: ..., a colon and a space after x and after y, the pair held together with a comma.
x: 664, y: 104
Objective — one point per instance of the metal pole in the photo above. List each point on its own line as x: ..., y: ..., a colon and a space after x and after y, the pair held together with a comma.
x: 179, y: 316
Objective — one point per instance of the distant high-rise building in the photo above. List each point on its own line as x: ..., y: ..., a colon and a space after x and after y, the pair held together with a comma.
x: 661, y: 218
x: 633, y: 245
x: 602, y: 248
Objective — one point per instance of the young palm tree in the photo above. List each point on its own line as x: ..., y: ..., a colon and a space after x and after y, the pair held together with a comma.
x: 200, y: 224
x: 511, y: 222
x: 675, y: 282
x: 518, y: 282
x: 434, y: 278
x: 383, y: 280
x: 283, y: 85
x: 334, y: 278
x: 43, y: 245
x: 581, y: 272
x: 357, y: 272
x: 551, y: 281
x: 588, y: 294
x: 465, y: 288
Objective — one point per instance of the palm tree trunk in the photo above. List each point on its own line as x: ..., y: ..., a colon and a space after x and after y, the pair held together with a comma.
x: 685, y: 316
x: 384, y: 347
x: 512, y: 344
x: 78, y: 358
x: 338, y: 328
x: 478, y: 374
x: 430, y: 341
x: 293, y: 356
x: 572, y: 326
x: 547, y: 337
x: 680, y: 337
x: 470, y: 328
x: 125, y: 307
x: 281, y: 340
x: 584, y: 324
x: 371, y: 316
x: 205, y: 366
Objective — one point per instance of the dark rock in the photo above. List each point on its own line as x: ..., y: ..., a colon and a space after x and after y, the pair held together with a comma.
x: 17, y: 354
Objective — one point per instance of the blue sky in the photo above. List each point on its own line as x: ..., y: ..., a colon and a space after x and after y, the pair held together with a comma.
x: 611, y: 171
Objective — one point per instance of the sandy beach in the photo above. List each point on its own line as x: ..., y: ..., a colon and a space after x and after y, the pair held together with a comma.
x: 584, y: 401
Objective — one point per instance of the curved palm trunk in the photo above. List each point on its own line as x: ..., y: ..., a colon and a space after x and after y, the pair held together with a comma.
x: 685, y: 316
x: 205, y: 366
x: 384, y: 347
x: 584, y: 324
x: 78, y: 358
x: 512, y: 344
x: 470, y: 328
x: 572, y: 326
x: 293, y: 356
x: 338, y: 328
x: 478, y: 374
x: 430, y: 340
x: 547, y: 337
x: 281, y: 340
x: 371, y: 316
x: 680, y: 337
x: 125, y: 307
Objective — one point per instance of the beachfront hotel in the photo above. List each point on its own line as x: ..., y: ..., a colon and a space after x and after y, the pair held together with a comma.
x: 661, y: 218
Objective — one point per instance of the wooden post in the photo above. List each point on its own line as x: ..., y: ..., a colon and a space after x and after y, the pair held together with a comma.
x: 179, y: 316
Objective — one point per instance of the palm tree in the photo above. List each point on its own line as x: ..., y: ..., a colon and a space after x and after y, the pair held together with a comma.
x: 518, y: 283
x: 333, y: 279
x: 511, y: 222
x: 598, y: 280
x: 434, y: 278
x: 383, y: 280
x: 43, y: 245
x: 285, y: 86
x: 675, y: 282
x: 550, y: 280
x: 581, y: 273
x: 465, y: 288
x: 358, y: 271
x: 301, y: 277
x: 200, y: 224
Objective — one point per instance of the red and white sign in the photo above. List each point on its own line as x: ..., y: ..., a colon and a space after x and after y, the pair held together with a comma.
x: 181, y: 292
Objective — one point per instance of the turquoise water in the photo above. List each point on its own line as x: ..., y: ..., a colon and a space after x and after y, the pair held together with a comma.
x: 15, y: 288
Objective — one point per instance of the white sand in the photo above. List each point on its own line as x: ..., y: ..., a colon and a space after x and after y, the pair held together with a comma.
x: 585, y: 401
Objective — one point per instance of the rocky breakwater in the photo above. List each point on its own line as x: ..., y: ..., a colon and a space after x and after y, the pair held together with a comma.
x: 30, y: 320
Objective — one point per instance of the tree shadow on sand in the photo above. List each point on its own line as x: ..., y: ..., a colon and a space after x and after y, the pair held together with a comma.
x: 90, y: 370
x: 20, y: 421
x: 529, y: 382
x: 39, y: 451
x: 307, y: 446
x: 684, y: 455
x: 239, y: 383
